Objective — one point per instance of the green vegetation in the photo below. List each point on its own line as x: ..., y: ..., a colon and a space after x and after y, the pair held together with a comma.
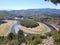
x: 33, y: 39
x: 1, y: 22
x: 56, y: 36
x: 49, y: 34
x: 11, y: 36
x: 30, y: 39
x: 21, y: 37
x: 8, y: 39
x: 1, y: 38
x: 29, y: 23
x: 43, y: 36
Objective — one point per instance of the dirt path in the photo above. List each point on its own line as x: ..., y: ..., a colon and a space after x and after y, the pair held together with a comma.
x: 48, y: 41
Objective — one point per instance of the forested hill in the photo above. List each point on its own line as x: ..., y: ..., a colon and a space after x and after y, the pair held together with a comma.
x: 12, y: 13
x: 36, y: 11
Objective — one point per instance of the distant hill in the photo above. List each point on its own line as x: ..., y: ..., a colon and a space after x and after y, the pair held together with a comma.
x: 36, y: 11
x: 28, y: 12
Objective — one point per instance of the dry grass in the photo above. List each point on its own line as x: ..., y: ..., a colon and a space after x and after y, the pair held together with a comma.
x: 42, y: 28
x: 5, y: 28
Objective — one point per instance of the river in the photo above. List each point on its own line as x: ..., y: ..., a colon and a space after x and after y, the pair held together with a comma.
x: 14, y: 27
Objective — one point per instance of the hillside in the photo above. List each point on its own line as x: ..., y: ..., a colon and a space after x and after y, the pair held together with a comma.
x: 10, y: 14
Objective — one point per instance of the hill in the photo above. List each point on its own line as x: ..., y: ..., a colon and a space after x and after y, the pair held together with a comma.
x: 10, y: 14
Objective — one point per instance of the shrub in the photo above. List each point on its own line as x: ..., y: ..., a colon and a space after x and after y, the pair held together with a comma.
x: 2, y: 38
x: 29, y: 23
x: 21, y: 37
x: 11, y: 36
x: 34, y: 39
x: 49, y: 34
x: 43, y: 36
x: 56, y: 36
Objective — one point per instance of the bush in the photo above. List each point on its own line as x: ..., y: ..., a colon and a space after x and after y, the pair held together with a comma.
x: 56, y: 36
x: 49, y: 34
x: 21, y: 37
x: 20, y: 34
x: 29, y: 23
x: 37, y: 40
x: 11, y: 36
x: 2, y: 38
x: 43, y: 36
x: 34, y: 39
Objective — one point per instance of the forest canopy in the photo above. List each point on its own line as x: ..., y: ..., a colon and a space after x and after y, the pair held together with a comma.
x: 29, y: 23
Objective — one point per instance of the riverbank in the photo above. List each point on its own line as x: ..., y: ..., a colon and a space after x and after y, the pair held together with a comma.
x: 5, y: 27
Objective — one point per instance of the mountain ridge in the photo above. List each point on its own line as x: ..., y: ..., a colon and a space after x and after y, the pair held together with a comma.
x: 30, y: 11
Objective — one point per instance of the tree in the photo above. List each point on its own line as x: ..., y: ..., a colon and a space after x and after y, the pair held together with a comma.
x: 29, y: 23
x: 11, y: 36
x: 1, y: 22
x: 54, y: 1
x: 20, y: 37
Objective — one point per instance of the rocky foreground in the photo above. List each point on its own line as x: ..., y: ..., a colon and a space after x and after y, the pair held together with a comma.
x: 48, y: 41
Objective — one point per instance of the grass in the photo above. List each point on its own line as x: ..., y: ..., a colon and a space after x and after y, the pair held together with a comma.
x: 5, y: 28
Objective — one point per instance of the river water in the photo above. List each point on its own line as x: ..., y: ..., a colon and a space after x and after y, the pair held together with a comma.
x: 14, y: 27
